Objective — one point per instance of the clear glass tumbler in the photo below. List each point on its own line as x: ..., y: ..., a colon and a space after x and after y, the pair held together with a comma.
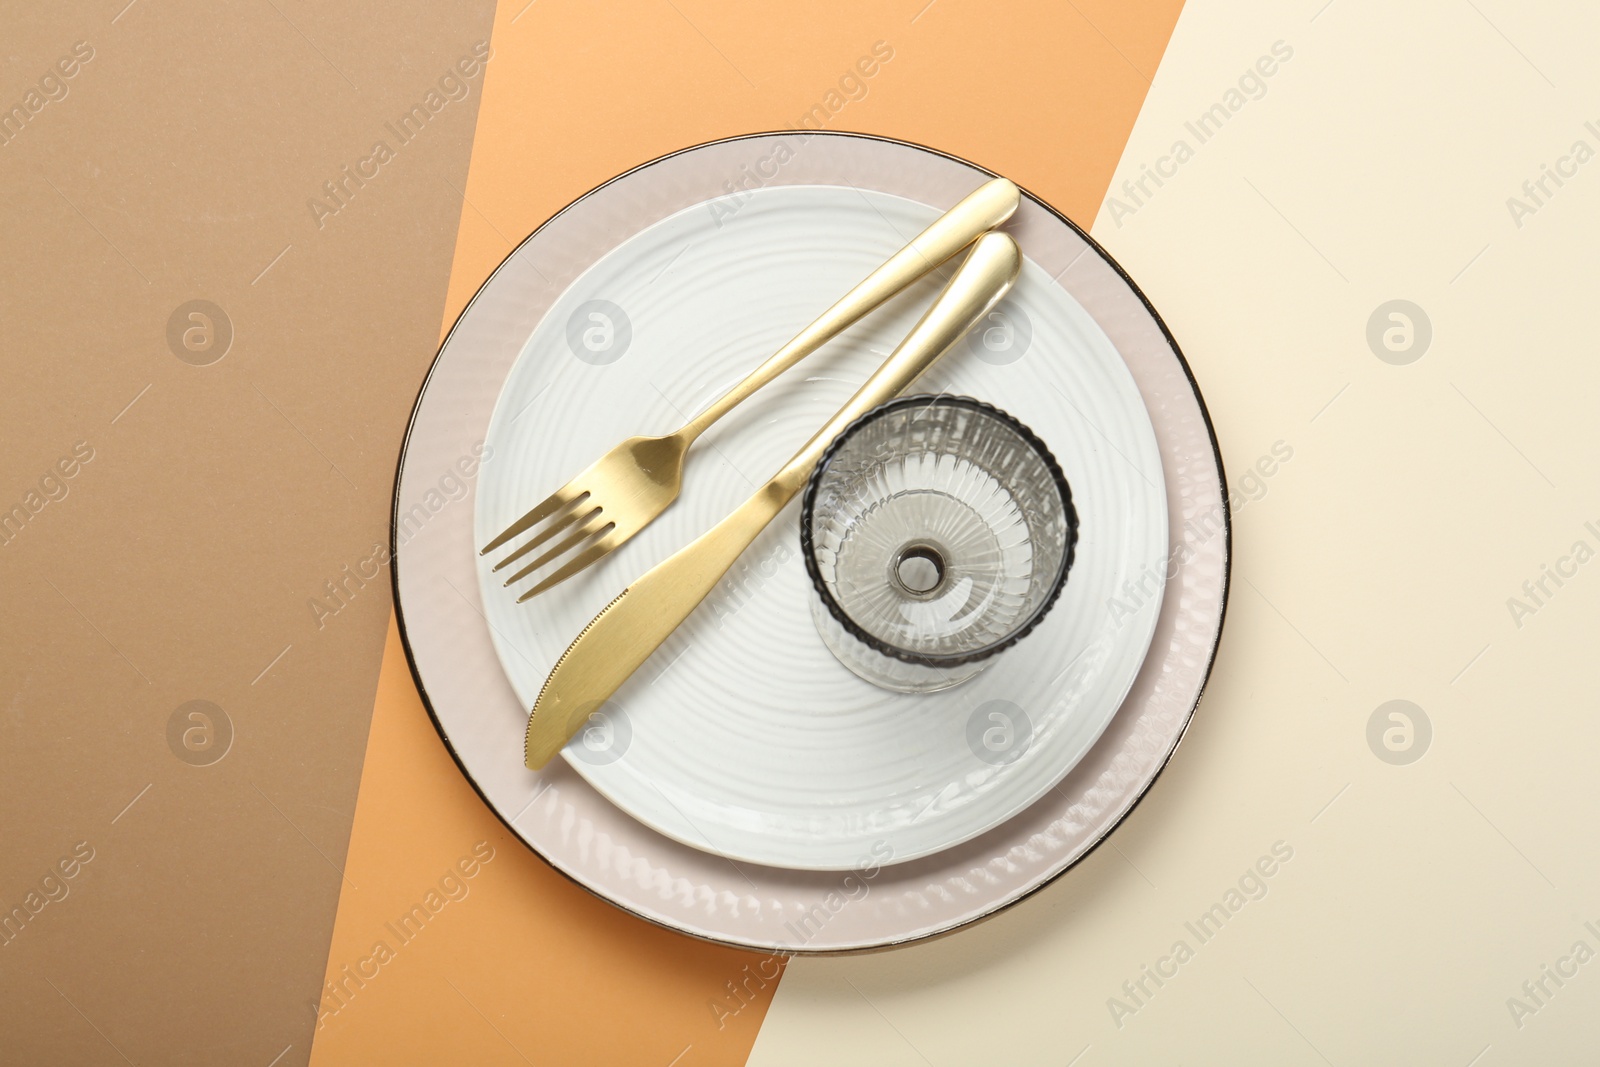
x: 937, y: 532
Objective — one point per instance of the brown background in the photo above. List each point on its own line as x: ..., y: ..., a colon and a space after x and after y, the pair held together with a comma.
x: 181, y: 562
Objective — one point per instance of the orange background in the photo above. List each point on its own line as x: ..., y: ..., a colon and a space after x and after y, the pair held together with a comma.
x: 527, y: 967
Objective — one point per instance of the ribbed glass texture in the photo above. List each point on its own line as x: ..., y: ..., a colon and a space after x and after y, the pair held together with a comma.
x: 937, y: 531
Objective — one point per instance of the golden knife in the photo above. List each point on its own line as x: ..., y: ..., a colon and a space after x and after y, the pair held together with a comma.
x: 627, y: 630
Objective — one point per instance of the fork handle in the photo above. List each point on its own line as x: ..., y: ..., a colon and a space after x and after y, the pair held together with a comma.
x: 983, y: 209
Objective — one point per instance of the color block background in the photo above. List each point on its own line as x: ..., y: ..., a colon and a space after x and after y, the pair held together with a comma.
x: 176, y: 165
x: 1425, y: 905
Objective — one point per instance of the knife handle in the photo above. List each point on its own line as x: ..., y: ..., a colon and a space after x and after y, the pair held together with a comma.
x: 987, y: 274
x: 984, y: 208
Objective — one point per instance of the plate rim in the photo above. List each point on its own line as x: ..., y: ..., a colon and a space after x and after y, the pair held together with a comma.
x: 1093, y: 846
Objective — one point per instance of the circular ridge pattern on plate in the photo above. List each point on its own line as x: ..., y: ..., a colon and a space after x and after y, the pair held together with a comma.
x: 558, y: 814
x: 745, y: 737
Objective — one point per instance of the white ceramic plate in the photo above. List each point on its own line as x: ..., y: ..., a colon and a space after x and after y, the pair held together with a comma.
x: 743, y: 735
x: 557, y: 813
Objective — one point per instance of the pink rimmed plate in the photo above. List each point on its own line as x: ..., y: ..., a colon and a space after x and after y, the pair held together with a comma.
x: 557, y: 812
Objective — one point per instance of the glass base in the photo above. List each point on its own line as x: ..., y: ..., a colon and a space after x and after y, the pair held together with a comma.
x: 885, y: 671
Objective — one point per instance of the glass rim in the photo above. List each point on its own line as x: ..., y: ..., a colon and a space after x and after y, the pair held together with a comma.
x: 877, y: 644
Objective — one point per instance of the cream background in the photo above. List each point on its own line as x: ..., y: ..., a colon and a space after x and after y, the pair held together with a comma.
x: 1377, y: 566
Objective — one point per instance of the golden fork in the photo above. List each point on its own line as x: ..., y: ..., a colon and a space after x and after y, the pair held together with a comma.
x: 623, y: 490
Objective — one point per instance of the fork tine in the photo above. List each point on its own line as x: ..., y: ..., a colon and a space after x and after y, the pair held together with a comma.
x: 573, y: 566
x: 549, y: 506
x: 595, y: 524
x: 577, y: 513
